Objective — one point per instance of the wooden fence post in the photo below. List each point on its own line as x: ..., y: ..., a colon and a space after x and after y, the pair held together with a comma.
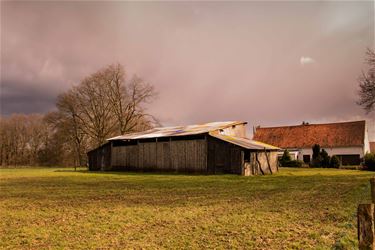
x: 366, y: 227
x: 372, y: 182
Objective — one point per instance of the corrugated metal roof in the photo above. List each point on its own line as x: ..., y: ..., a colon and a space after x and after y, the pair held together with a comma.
x: 244, y: 142
x: 177, y: 131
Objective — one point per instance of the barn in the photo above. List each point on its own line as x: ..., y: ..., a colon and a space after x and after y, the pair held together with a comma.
x: 211, y: 148
x: 347, y: 140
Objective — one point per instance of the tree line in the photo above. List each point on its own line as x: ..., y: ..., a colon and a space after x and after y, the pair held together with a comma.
x: 104, y: 104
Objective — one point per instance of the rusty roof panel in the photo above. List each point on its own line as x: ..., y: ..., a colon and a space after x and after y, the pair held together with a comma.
x: 177, y: 130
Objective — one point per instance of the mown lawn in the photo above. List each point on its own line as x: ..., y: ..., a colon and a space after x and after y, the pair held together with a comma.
x: 294, y: 209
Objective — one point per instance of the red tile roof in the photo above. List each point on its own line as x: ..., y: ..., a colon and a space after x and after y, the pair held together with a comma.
x: 341, y: 134
x: 372, y: 147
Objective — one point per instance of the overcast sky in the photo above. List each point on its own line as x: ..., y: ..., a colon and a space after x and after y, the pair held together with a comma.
x: 268, y: 63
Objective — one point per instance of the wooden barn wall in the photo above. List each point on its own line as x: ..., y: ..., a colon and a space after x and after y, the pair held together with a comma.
x: 223, y: 157
x: 100, y: 158
x: 174, y: 155
x: 197, y: 155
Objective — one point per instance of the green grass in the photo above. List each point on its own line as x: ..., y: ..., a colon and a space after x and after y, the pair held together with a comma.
x: 294, y: 209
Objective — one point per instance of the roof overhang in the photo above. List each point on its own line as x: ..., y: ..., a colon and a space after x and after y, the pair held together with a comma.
x: 244, y: 142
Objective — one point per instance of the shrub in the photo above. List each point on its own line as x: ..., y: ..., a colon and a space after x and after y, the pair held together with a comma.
x: 320, y: 158
x: 369, y: 161
x: 325, y: 159
x: 316, y: 157
x: 317, y: 162
x: 293, y: 163
x: 334, y: 162
x: 316, y: 151
x: 285, y: 158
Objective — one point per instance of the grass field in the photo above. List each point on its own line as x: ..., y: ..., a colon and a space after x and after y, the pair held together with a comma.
x: 294, y: 209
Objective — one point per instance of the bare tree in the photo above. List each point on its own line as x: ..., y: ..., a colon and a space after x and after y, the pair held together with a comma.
x: 67, y: 122
x: 367, y: 84
x: 104, y: 104
x: 127, y: 99
x: 95, y: 112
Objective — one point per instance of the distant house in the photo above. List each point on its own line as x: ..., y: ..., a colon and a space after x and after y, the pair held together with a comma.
x: 218, y: 147
x: 347, y: 140
x: 372, y: 147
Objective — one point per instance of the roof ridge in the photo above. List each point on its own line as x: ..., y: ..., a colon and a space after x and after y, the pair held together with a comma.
x: 312, y: 124
x: 202, y: 124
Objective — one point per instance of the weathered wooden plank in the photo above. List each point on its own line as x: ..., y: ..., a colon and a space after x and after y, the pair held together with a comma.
x: 204, y: 157
x: 133, y: 156
x: 166, y: 156
x: 159, y: 156
x: 146, y: 157
x: 181, y: 156
x: 201, y: 156
x: 140, y: 156
x: 191, y: 156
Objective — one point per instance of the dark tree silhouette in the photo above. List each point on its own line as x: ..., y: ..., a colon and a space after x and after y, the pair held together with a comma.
x: 367, y: 84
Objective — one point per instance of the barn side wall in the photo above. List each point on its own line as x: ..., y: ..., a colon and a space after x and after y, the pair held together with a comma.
x: 178, y: 155
x: 223, y: 157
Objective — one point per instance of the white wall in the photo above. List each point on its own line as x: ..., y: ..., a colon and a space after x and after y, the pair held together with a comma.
x: 333, y: 151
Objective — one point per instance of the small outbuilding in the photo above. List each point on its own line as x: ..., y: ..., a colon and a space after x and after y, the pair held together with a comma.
x: 218, y: 147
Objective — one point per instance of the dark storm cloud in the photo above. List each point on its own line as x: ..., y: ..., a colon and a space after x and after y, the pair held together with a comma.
x: 16, y: 98
x: 268, y: 63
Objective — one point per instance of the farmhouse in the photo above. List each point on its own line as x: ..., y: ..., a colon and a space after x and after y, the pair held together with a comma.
x: 218, y: 147
x: 347, y: 140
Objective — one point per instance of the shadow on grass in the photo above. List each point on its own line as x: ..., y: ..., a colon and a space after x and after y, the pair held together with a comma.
x: 71, y: 171
x: 283, y: 172
x: 145, y: 172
